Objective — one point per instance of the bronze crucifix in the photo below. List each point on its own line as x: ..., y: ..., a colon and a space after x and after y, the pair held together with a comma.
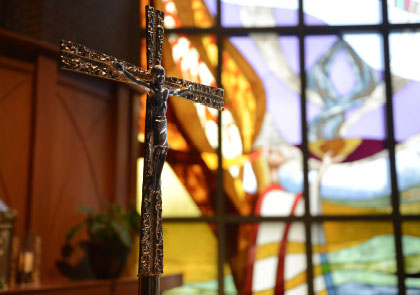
x: 76, y: 57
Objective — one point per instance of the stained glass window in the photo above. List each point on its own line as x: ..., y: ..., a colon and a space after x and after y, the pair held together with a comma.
x: 310, y: 177
x: 346, y: 125
x: 256, y: 69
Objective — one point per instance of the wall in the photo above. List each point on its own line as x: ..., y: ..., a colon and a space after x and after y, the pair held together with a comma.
x: 111, y: 26
x: 65, y: 140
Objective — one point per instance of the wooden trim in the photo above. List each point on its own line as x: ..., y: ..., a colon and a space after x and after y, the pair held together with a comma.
x: 166, y: 283
x: 26, y: 45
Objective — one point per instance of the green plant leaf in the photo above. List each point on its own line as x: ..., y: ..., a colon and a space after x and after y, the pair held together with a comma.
x: 73, y: 231
x: 86, y: 209
x: 134, y: 220
x: 122, y: 233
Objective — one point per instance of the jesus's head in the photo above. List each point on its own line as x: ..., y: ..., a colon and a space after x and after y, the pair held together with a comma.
x: 158, y: 75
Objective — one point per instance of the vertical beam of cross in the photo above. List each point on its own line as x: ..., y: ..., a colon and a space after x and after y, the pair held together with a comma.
x: 151, y: 242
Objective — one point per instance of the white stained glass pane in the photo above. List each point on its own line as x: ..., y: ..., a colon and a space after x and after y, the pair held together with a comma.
x: 403, y: 11
x: 262, y: 13
x: 342, y: 12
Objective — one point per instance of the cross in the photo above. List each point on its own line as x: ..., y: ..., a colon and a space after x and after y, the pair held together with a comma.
x: 76, y: 57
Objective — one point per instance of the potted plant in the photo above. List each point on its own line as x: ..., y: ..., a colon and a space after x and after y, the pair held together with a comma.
x: 110, y: 236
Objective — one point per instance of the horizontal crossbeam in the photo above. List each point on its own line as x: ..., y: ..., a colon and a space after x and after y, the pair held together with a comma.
x: 211, y: 97
x: 79, y: 58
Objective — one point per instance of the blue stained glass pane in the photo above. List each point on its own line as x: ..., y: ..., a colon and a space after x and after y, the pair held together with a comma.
x: 262, y: 13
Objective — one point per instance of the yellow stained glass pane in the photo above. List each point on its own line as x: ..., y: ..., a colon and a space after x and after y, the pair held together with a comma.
x: 191, y: 249
x: 176, y: 201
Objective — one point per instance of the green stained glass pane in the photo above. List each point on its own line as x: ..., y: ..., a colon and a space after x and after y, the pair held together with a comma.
x: 354, y: 258
x: 411, y: 252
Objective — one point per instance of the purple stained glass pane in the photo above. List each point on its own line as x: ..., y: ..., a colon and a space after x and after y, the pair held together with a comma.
x: 341, y: 74
x: 406, y: 111
x: 316, y: 47
x: 211, y: 6
x: 283, y: 103
x: 369, y: 126
x: 348, y: 87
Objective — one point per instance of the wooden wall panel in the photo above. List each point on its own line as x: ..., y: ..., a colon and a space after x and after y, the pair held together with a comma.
x: 65, y: 140
x: 16, y: 89
x: 74, y: 157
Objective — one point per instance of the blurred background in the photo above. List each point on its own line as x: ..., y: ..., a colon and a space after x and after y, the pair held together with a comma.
x: 307, y: 183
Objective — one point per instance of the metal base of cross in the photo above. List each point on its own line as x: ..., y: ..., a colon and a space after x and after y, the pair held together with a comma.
x: 149, y: 285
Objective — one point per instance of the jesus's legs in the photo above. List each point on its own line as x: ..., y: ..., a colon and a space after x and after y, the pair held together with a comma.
x: 159, y: 157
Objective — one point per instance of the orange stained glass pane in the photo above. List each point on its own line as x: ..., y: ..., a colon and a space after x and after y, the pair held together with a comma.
x: 194, y: 57
x: 194, y: 13
x: 142, y: 116
x: 202, y: 17
x: 240, y: 99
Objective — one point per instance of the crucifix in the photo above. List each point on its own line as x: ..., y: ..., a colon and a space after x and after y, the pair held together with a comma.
x: 76, y: 57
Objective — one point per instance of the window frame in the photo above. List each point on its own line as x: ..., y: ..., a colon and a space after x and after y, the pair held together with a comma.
x: 222, y: 220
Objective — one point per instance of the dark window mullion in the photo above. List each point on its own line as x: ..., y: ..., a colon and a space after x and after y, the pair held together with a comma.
x: 237, y: 219
x: 220, y: 197
x: 307, y: 216
x: 395, y: 198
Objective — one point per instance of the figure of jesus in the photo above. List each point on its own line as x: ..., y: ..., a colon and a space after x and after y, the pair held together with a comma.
x: 159, y: 97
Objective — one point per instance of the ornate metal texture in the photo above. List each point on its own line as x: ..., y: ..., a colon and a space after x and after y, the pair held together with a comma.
x: 79, y: 58
x: 154, y: 36
x: 151, y: 241
x: 211, y: 97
